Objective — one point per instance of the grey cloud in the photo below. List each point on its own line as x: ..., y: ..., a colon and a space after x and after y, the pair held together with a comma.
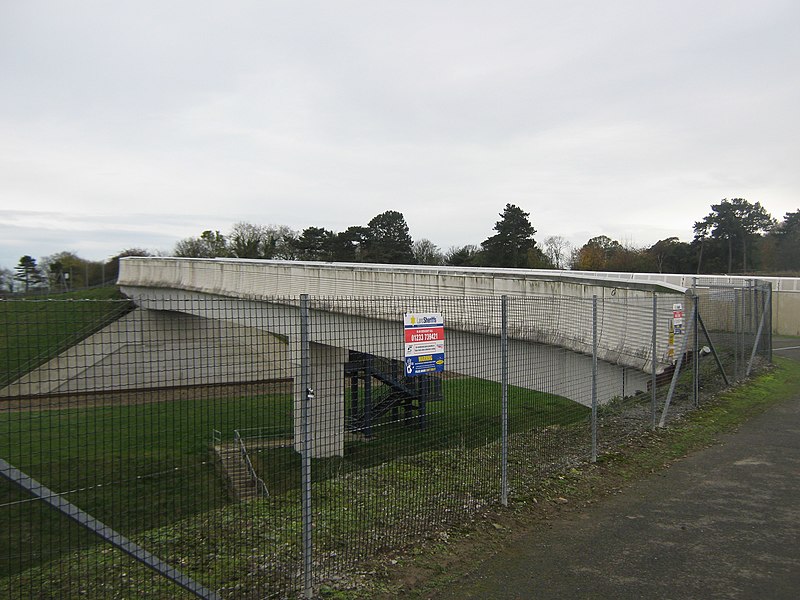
x: 628, y: 117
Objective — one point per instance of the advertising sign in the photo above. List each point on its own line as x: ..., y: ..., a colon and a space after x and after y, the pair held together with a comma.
x: 424, y: 343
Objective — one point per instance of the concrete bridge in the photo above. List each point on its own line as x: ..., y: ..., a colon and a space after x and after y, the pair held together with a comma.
x: 549, y: 323
x: 214, y: 308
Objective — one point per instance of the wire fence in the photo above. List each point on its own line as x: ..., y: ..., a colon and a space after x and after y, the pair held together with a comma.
x: 192, y: 446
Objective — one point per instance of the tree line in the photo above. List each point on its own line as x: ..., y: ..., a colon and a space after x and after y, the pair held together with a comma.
x: 62, y: 272
x: 736, y: 236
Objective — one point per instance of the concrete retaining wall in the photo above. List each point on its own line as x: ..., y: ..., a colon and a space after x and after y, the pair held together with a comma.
x: 154, y: 349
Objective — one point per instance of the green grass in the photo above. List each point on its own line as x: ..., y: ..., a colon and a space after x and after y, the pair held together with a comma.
x: 147, y: 471
x: 254, y: 547
x: 145, y: 466
x: 704, y: 426
x: 467, y: 417
x: 367, y: 502
x: 34, y: 331
x: 139, y: 466
x: 734, y: 407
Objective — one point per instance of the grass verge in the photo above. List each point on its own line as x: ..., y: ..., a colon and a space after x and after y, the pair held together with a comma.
x: 146, y: 470
x: 441, y: 561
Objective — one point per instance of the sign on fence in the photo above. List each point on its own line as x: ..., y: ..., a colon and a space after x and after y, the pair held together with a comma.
x: 677, y: 318
x: 424, y: 343
x: 676, y: 328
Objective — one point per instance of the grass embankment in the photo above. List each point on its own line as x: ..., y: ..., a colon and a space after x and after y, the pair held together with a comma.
x: 32, y: 331
x: 141, y: 467
x: 145, y: 469
x: 134, y: 467
x: 468, y: 417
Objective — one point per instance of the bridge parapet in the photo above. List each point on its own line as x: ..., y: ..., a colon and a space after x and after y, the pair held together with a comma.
x: 544, y: 307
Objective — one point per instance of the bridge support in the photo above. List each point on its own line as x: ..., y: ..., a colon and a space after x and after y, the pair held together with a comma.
x: 327, y: 408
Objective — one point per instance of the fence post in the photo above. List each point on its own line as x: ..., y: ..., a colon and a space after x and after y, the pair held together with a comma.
x: 753, y: 304
x: 305, y: 467
x: 594, y: 378
x: 736, y: 318
x: 504, y: 398
x: 662, y: 422
x: 768, y: 307
x: 653, y: 400
x: 756, y: 342
x: 695, y: 345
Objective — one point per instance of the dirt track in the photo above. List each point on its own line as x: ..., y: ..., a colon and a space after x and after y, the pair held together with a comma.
x: 147, y: 396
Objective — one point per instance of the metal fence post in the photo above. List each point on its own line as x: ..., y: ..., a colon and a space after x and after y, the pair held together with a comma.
x: 676, y: 373
x: 756, y: 342
x: 504, y: 400
x: 594, y: 378
x: 653, y: 399
x: 305, y: 467
x: 695, y: 350
x: 768, y: 308
x: 736, y: 319
x: 753, y: 305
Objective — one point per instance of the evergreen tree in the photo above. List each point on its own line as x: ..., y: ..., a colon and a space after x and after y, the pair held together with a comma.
x: 736, y: 222
x: 316, y: 243
x: 28, y: 273
x: 462, y: 256
x: 387, y: 240
x: 671, y: 255
x: 787, y: 235
x: 513, y: 244
x: 348, y: 245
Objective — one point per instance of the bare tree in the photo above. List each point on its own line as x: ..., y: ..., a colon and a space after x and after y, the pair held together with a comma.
x: 6, y: 280
x: 427, y: 253
x: 249, y: 241
x: 557, y: 249
x: 284, y: 241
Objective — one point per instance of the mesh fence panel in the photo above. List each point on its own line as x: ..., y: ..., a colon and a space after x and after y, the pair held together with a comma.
x: 736, y: 325
x: 137, y: 425
x: 179, y: 424
x: 413, y: 457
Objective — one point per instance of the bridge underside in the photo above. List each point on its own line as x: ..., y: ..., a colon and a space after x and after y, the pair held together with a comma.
x: 198, y: 339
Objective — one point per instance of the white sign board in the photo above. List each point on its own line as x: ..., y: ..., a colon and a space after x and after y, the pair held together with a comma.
x: 424, y: 343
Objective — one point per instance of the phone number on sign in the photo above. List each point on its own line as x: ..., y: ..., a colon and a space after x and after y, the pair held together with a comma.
x: 423, y: 337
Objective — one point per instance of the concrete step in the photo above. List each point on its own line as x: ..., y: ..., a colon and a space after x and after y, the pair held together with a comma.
x: 239, y: 480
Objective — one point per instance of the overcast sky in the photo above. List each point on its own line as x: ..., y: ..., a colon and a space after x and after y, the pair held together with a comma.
x: 140, y: 123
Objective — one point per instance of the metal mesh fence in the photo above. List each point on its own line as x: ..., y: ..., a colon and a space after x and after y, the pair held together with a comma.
x: 223, y: 448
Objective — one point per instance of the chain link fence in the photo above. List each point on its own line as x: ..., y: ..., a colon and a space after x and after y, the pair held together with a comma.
x: 195, y: 446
